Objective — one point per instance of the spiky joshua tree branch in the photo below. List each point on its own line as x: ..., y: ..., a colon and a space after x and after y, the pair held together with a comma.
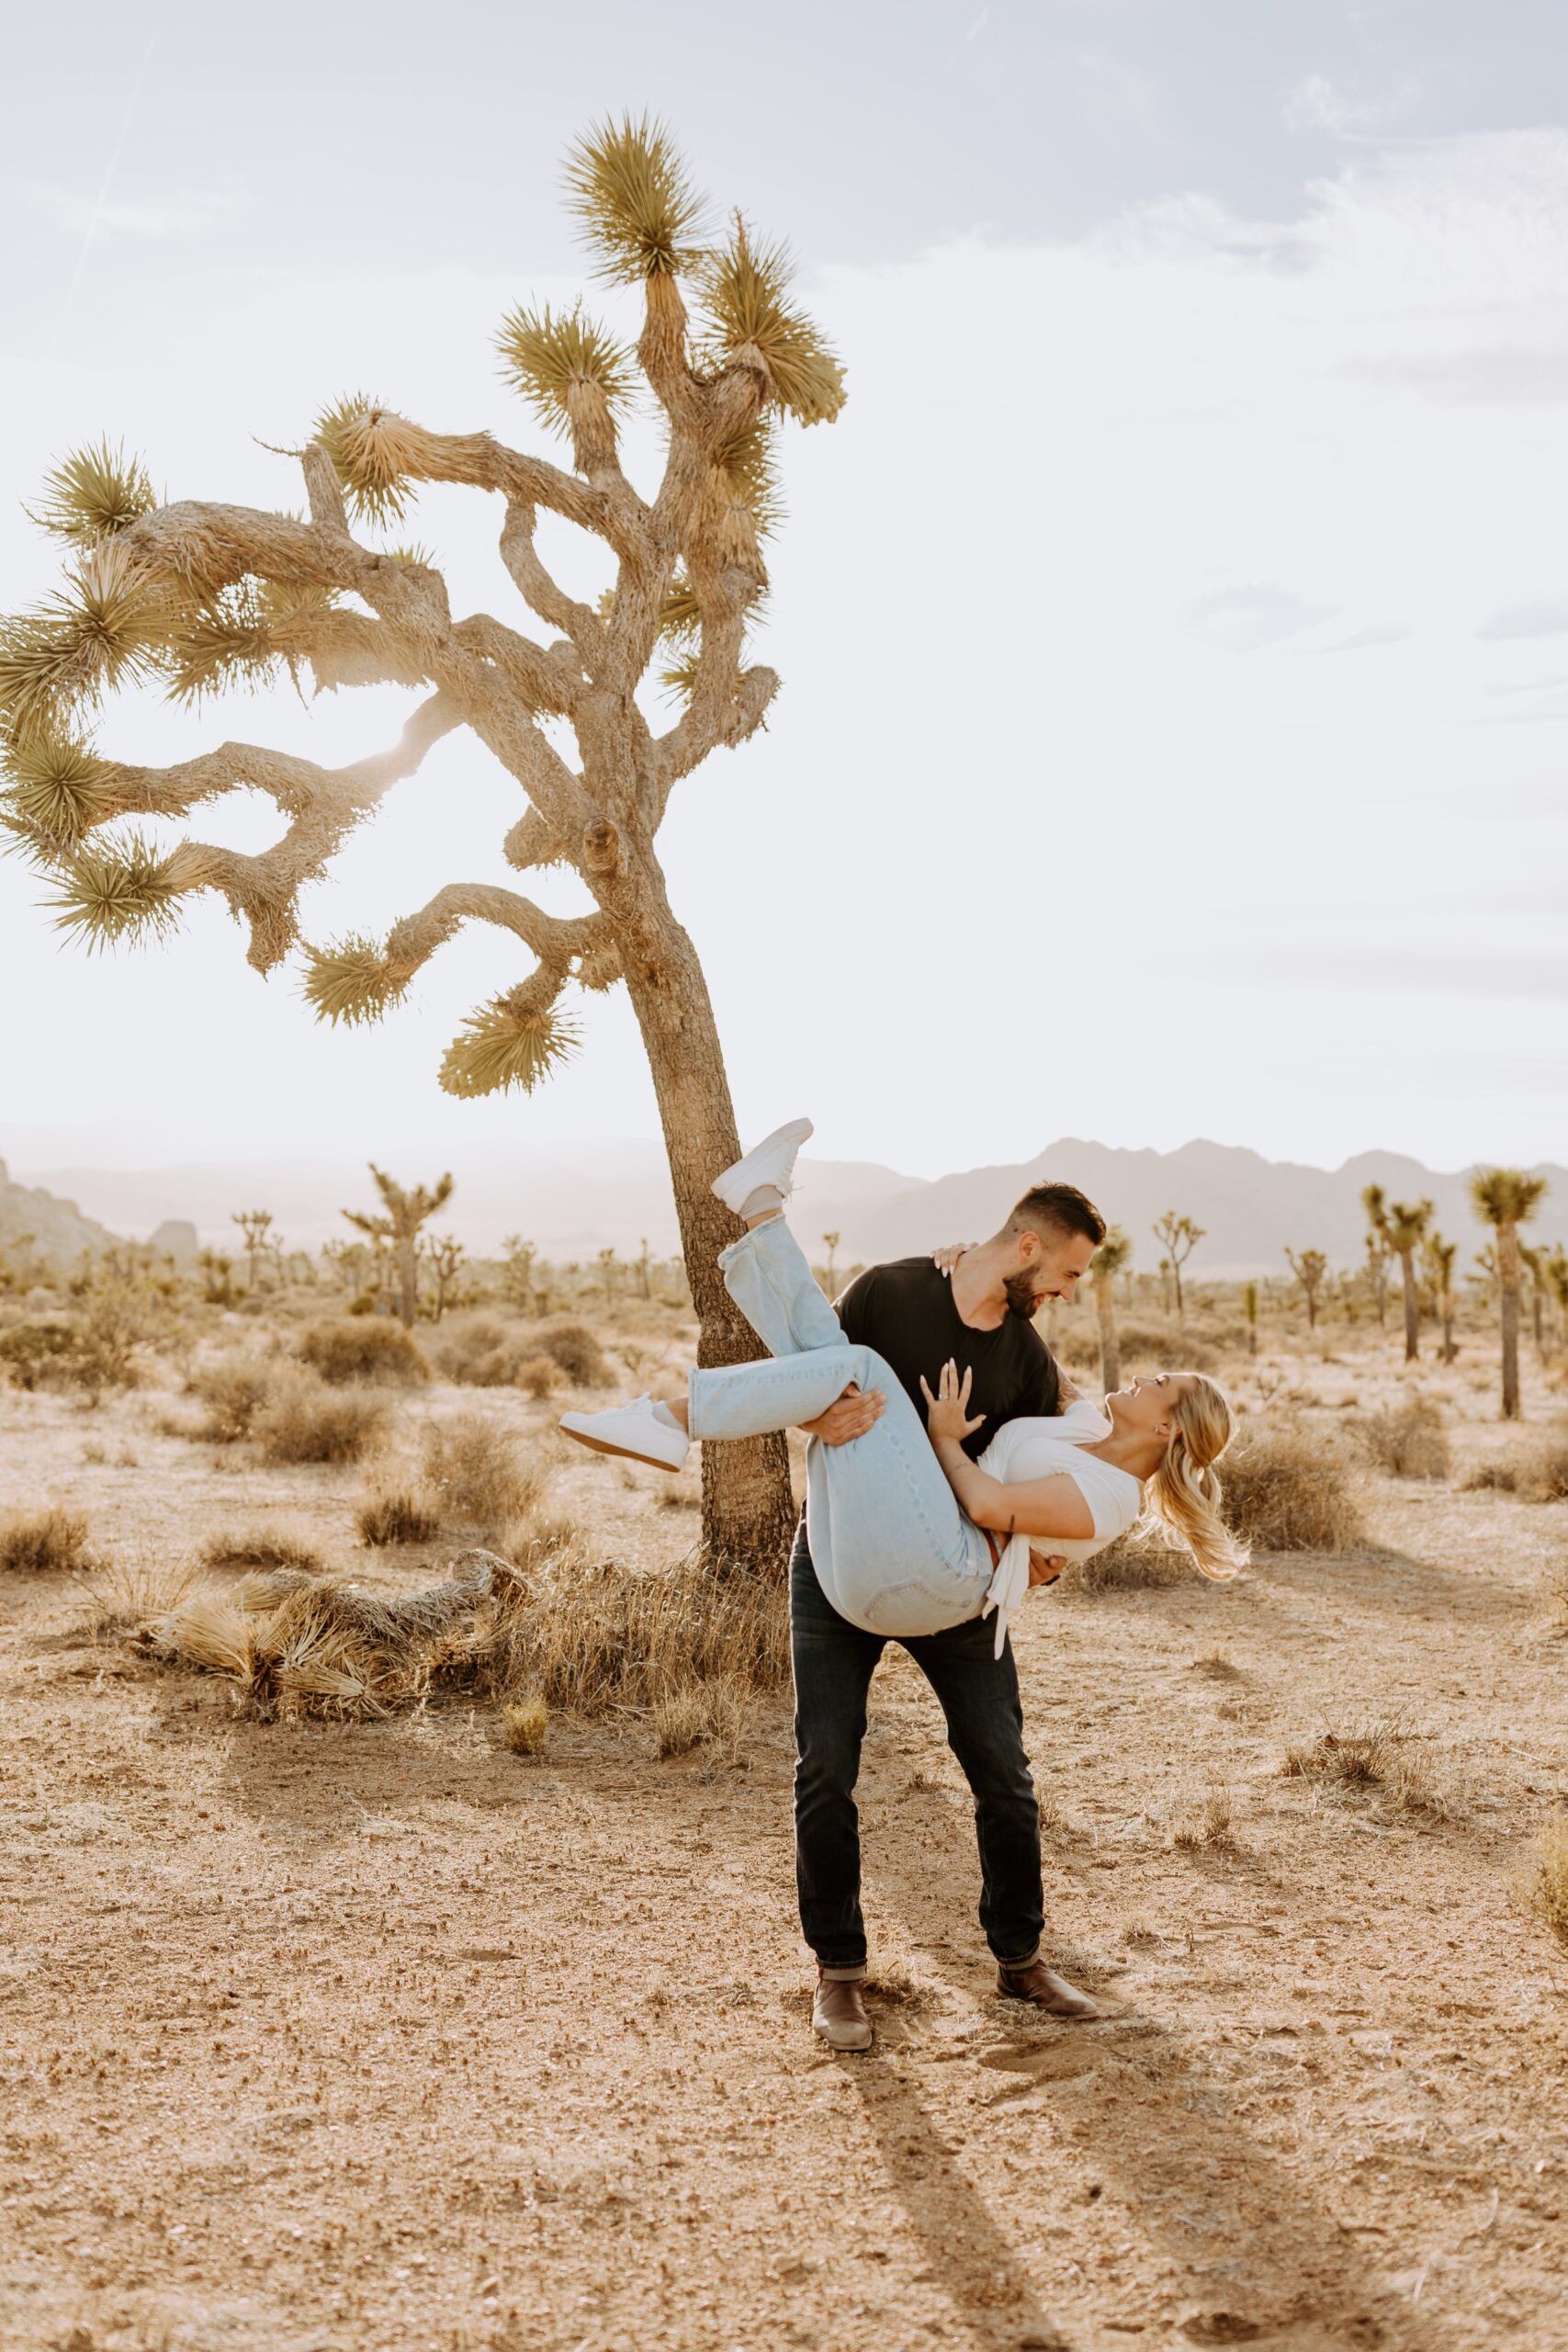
x: 197, y: 598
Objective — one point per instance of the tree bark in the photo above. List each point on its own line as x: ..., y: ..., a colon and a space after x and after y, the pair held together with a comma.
x: 1412, y: 1306
x: 748, y: 1508
x: 1509, y: 1284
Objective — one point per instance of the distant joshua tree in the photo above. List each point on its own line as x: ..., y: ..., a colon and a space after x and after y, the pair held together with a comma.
x: 607, y: 1275
x: 1375, y: 1202
x: 1438, y: 1256
x: 1505, y: 1198
x: 1250, y: 1308
x: 517, y: 1271
x: 1181, y: 1237
x: 1534, y: 1264
x: 447, y: 1258
x: 1404, y: 1229
x: 644, y: 1271
x: 1110, y: 1258
x: 217, y: 1277
x: 1309, y: 1268
x: 406, y: 1213
x: 207, y: 596
x: 1556, y: 1269
x: 830, y: 1243
x: 255, y: 1225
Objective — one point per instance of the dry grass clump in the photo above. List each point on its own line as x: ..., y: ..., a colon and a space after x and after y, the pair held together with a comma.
x: 1208, y: 1828
x: 538, y: 1377
x: 484, y: 1350
x: 397, y: 1511
x: 368, y: 1348
x: 896, y: 1984
x: 1377, y: 1759
x: 1290, y: 1489
x: 598, y: 1635
x: 1410, y: 1441
x: 478, y: 1476
x: 252, y: 1548
x: 1548, y: 1892
x: 1140, y: 1561
x: 233, y: 1388
x: 1164, y: 1347
x: 713, y: 1714
x: 524, y: 1724
x: 43, y: 1542
x: 1217, y: 1666
x: 1535, y: 1469
x: 304, y: 1420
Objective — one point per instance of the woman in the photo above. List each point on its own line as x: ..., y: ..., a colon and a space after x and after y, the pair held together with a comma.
x: 903, y: 1536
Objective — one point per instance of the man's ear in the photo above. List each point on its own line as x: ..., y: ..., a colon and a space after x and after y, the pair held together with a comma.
x: 1028, y: 1245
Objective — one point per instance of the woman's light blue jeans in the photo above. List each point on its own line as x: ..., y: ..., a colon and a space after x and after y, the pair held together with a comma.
x: 892, y: 1551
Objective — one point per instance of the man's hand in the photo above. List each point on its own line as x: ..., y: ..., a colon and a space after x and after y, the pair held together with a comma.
x: 1045, y: 1568
x: 854, y: 1412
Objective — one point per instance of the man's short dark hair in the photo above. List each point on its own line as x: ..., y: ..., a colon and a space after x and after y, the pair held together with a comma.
x: 1059, y: 1208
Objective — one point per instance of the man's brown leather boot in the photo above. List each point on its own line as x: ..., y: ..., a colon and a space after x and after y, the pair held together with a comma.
x: 838, y: 2013
x: 1040, y: 1987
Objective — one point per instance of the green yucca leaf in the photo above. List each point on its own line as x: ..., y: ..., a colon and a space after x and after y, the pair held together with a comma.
x: 509, y: 1041
x: 414, y: 553
x: 745, y: 292
x: 363, y: 440
x: 108, y: 627
x: 54, y: 785
x: 351, y: 982
x: 93, y: 494
x: 113, y: 893
x: 627, y: 186
x: 680, y: 679
x: 547, y: 357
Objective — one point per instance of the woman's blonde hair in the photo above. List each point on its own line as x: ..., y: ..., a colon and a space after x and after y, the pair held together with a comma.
x: 1183, y: 1493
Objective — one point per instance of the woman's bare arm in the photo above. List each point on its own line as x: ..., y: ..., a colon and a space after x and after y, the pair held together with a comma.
x: 1039, y: 1506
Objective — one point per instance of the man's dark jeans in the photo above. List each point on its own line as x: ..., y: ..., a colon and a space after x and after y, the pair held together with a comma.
x: 833, y: 1663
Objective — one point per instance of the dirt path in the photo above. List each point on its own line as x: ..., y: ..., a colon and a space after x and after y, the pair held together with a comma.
x: 375, y: 2037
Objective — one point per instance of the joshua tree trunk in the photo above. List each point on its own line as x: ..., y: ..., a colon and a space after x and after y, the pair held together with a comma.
x: 1412, y: 1306
x: 748, y: 1509
x: 1109, y: 1346
x: 1446, y: 1310
x: 407, y: 1280
x: 1508, y: 1283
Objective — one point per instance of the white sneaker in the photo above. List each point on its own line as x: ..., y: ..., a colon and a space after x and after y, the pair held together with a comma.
x: 772, y: 1161
x: 634, y: 1429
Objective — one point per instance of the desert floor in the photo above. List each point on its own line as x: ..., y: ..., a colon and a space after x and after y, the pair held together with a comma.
x: 365, y: 2036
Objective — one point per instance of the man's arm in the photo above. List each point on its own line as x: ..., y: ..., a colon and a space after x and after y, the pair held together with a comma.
x: 853, y: 1413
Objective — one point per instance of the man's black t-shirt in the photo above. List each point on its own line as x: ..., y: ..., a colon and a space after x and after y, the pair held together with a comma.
x: 904, y: 1311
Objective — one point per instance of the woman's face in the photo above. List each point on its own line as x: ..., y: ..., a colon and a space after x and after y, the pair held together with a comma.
x: 1145, y: 1405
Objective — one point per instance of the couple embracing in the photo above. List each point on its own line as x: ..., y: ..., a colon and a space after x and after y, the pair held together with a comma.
x: 951, y: 1466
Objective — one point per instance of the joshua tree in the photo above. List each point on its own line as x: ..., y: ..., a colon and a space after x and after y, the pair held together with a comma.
x: 406, y: 1212
x: 1534, y: 1264
x: 831, y: 1242
x: 204, y: 596
x: 217, y: 1277
x: 1505, y: 1198
x: 1556, y: 1267
x: 607, y: 1275
x: 1438, y: 1255
x: 1404, y: 1230
x: 643, y: 1272
x: 1109, y: 1261
x: 1250, y: 1308
x: 1309, y: 1269
x: 1375, y: 1202
x: 447, y: 1258
x: 1181, y: 1237
x: 517, y: 1271
x: 1165, y: 1285
x: 255, y: 1225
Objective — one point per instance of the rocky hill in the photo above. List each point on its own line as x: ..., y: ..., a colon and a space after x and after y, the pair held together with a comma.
x: 57, y: 1230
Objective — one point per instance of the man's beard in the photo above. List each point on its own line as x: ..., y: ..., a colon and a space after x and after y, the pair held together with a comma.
x: 1022, y: 1298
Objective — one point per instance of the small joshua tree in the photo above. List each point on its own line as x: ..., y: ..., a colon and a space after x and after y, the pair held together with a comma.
x: 1534, y: 1264
x: 1110, y: 1259
x: 447, y: 1258
x: 255, y: 1225
x: 1250, y: 1308
x: 1556, y: 1269
x: 1404, y: 1229
x: 201, y: 597
x: 517, y: 1271
x: 1309, y: 1268
x: 217, y: 1273
x: 830, y: 1272
x: 1374, y: 1201
x: 399, y: 1228
x: 1181, y: 1237
x: 1438, y: 1256
x: 1505, y: 1198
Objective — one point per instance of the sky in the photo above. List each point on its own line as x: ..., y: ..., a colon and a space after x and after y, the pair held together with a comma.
x: 1173, y: 628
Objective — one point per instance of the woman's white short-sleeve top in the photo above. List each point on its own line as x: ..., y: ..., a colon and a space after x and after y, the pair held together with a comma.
x: 1033, y: 1447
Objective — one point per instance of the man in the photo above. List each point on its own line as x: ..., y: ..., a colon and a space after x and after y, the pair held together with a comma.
x: 918, y: 1317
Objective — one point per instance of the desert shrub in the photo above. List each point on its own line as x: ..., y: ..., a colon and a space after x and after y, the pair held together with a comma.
x: 597, y: 1635
x: 41, y: 1354
x: 1535, y: 1469
x: 43, y: 1542
x: 233, y: 1388
x: 482, y: 1351
x: 1290, y: 1488
x: 1376, y: 1760
x: 1139, y: 1561
x: 537, y: 1376
x: 524, y: 1724
x: 478, y: 1476
x: 1163, y: 1347
x: 304, y: 1420
x: 1411, y: 1441
x: 1549, y: 1893
x: 364, y: 1349
x: 252, y: 1548
x: 397, y: 1511
x: 578, y: 1352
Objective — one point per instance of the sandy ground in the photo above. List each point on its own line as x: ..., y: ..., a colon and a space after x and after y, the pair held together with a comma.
x: 379, y: 2036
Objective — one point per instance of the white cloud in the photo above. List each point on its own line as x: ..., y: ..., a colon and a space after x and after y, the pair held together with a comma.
x: 1316, y: 103
x: 155, y: 218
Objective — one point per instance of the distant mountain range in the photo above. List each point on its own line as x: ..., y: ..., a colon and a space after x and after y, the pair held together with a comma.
x: 574, y: 1201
